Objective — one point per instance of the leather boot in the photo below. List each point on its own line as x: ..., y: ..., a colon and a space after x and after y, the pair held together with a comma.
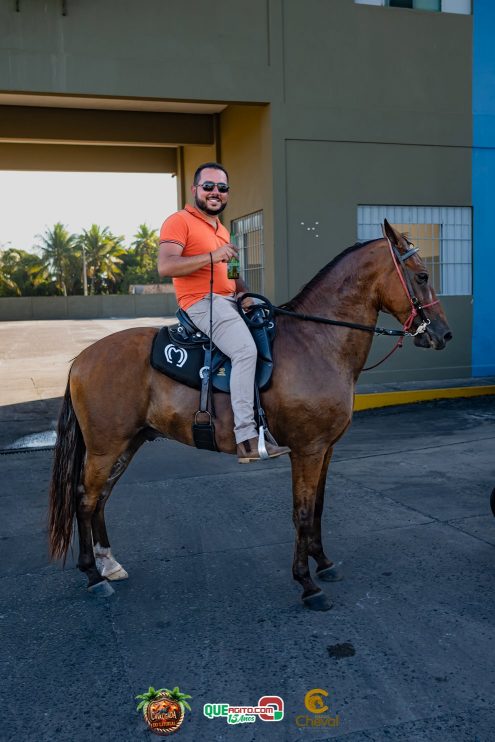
x: 248, y: 451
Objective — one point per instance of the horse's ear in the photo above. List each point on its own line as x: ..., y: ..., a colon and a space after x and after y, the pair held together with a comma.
x: 390, y: 233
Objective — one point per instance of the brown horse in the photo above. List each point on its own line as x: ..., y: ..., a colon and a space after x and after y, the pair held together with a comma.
x: 115, y: 401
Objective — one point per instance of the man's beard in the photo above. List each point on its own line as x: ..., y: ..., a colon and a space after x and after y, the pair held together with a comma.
x: 202, y: 205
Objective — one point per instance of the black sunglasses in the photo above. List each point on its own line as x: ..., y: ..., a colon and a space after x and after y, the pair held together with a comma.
x: 209, y: 185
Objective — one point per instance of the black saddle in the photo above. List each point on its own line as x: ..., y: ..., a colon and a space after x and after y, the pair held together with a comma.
x: 179, y: 351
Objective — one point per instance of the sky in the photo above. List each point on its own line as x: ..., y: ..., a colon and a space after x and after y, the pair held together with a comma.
x: 32, y: 201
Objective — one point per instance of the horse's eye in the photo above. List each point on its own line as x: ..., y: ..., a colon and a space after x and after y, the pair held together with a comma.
x: 422, y: 277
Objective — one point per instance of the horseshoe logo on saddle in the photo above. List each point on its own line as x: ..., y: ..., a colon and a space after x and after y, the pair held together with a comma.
x: 175, y: 356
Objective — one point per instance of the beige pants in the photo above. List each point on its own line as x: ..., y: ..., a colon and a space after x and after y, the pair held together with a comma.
x: 232, y: 336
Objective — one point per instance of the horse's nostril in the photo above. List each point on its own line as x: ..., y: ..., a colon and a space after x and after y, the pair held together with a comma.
x: 447, y: 336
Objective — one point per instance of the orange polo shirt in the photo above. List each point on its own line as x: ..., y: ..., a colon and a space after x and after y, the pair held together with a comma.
x: 190, y: 229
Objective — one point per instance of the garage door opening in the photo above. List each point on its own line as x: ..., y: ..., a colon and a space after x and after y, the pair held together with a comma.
x: 69, y: 233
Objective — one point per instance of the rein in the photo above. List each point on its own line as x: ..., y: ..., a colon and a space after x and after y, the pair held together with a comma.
x: 417, y: 309
x: 340, y: 323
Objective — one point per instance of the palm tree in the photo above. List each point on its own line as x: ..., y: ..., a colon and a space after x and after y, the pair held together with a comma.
x: 58, y: 254
x: 31, y: 274
x: 40, y: 276
x: 145, y: 246
x: 101, y: 252
x: 140, y: 259
x: 23, y: 274
x: 8, y: 285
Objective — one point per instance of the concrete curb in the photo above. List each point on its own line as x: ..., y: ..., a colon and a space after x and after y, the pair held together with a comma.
x: 388, y: 399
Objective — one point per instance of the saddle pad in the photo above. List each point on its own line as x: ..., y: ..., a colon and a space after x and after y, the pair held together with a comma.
x: 180, y: 362
x: 183, y: 362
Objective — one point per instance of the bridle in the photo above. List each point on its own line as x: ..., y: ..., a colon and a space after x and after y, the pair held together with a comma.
x: 417, y: 308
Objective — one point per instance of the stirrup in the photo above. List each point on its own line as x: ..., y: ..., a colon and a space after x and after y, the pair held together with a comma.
x: 261, y: 443
x: 263, y: 433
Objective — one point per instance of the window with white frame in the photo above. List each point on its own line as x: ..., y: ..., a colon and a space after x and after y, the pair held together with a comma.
x: 248, y: 235
x: 462, y: 7
x: 442, y: 233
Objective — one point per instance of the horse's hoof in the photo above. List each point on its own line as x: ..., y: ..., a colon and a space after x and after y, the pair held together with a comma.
x: 492, y: 501
x: 120, y: 574
x: 317, y: 602
x: 101, y: 589
x: 331, y: 574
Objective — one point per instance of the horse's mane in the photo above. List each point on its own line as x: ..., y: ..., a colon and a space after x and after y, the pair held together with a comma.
x: 314, y: 282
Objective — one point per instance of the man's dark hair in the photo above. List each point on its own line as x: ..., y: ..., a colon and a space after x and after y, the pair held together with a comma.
x: 213, y: 165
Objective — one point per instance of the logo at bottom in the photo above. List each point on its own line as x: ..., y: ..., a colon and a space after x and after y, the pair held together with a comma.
x: 313, y: 700
x: 268, y: 708
x: 163, y: 709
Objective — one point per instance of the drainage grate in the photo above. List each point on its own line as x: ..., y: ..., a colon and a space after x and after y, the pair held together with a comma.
x: 43, y: 441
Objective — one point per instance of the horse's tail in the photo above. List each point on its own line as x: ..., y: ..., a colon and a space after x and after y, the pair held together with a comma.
x: 66, y: 475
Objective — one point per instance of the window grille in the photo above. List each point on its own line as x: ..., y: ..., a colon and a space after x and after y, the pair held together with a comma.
x: 442, y: 233
x: 462, y: 7
x: 415, y: 4
x: 248, y: 234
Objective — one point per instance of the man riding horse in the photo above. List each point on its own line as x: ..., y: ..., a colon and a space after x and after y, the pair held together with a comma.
x: 115, y: 400
x: 195, y: 249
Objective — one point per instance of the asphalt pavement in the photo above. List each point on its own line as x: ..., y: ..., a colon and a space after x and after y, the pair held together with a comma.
x: 406, y: 653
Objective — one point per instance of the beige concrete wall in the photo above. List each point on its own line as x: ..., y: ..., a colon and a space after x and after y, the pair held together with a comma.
x: 86, y: 307
x: 246, y: 153
x: 86, y: 158
x: 69, y: 125
x: 246, y: 147
x: 193, y: 157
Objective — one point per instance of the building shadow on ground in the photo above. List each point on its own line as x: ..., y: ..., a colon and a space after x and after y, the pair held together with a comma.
x: 26, y: 418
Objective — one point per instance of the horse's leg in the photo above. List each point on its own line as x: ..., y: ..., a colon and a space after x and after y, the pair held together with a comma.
x: 305, y: 479
x: 106, y: 563
x: 325, y: 569
x: 96, y: 472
